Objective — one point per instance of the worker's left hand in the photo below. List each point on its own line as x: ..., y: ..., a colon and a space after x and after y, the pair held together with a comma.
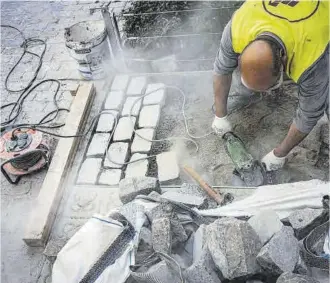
x: 272, y: 162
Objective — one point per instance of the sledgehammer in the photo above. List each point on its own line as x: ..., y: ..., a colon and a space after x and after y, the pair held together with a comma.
x: 205, y: 186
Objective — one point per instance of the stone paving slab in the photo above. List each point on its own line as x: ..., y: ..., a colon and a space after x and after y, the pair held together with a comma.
x: 136, y: 86
x: 114, y: 100
x: 127, y: 108
x: 98, y: 144
x: 141, y: 145
x: 110, y: 177
x: 168, y: 168
x: 120, y: 83
x: 89, y: 171
x: 137, y: 169
x: 118, y: 153
x: 124, y: 130
x: 106, y: 122
x: 156, y: 96
x: 149, y: 116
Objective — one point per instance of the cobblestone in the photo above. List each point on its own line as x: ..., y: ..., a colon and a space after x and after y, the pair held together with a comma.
x: 106, y: 122
x: 118, y: 153
x: 168, y: 168
x: 124, y: 130
x: 128, y: 106
x: 149, y: 116
x: 89, y: 171
x: 137, y: 169
x: 136, y: 86
x: 157, y: 96
x: 141, y: 145
x: 98, y: 144
x: 114, y: 100
x: 120, y: 82
x: 110, y: 177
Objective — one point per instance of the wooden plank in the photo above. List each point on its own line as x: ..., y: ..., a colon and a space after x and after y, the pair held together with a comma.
x: 44, y: 211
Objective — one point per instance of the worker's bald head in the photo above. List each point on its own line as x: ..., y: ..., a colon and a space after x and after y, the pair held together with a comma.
x: 260, y: 65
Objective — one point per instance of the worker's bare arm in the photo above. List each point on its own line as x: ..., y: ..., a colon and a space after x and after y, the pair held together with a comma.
x: 221, y: 86
x: 293, y: 138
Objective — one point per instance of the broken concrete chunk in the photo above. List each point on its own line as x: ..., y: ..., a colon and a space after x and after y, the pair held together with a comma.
x: 289, y: 277
x: 168, y: 168
x: 266, y: 224
x: 134, y: 213
x: 155, y: 195
x: 234, y: 246
x: 145, y: 245
x: 303, y: 221
x: 199, y: 242
x: 161, y: 210
x: 186, y: 199
x: 202, y: 270
x: 325, y: 133
x: 129, y: 188
x: 161, y: 235
x: 281, y: 253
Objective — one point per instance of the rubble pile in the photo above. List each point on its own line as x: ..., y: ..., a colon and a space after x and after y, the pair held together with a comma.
x: 178, y: 245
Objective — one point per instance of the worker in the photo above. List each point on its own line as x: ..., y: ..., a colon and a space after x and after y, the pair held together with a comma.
x: 264, y: 40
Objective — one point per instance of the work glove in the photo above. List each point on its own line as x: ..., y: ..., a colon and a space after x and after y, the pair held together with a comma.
x: 272, y: 162
x: 221, y: 125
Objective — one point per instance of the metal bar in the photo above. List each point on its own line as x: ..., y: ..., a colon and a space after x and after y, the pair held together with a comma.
x: 169, y: 36
x: 149, y: 60
x: 178, y: 11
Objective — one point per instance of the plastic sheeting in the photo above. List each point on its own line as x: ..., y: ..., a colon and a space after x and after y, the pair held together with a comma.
x: 283, y: 198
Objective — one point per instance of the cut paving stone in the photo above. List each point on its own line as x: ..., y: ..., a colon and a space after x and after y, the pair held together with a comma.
x: 89, y: 171
x: 202, y: 270
x: 155, y: 195
x: 168, y: 168
x: 281, y: 253
x: 149, y: 116
x: 114, y: 100
x: 134, y: 213
x: 199, y: 242
x: 110, y: 177
x: 156, y: 96
x: 136, y: 86
x: 162, y: 210
x: 141, y: 145
x: 266, y: 224
x: 98, y: 144
x: 137, y: 169
x: 161, y: 235
x: 120, y: 82
x: 195, y: 190
x: 179, y: 235
x: 234, y: 246
x: 289, y: 277
x: 189, y: 200
x: 129, y: 104
x: 124, y: 130
x: 106, y: 122
x: 303, y: 221
x: 131, y: 187
x: 118, y: 153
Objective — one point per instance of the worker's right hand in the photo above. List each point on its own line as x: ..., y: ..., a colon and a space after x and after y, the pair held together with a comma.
x: 221, y: 125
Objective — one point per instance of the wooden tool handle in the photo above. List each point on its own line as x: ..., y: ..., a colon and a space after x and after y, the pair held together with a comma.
x: 205, y: 186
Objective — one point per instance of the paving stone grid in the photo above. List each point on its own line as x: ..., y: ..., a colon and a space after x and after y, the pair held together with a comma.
x: 121, y: 143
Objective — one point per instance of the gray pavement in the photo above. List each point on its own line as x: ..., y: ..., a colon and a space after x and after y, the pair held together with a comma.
x: 44, y: 20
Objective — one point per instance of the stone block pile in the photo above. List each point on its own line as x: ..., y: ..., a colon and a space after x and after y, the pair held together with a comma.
x: 120, y: 142
x: 214, y: 250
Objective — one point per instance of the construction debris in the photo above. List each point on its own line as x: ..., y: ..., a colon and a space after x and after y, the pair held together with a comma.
x: 288, y: 277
